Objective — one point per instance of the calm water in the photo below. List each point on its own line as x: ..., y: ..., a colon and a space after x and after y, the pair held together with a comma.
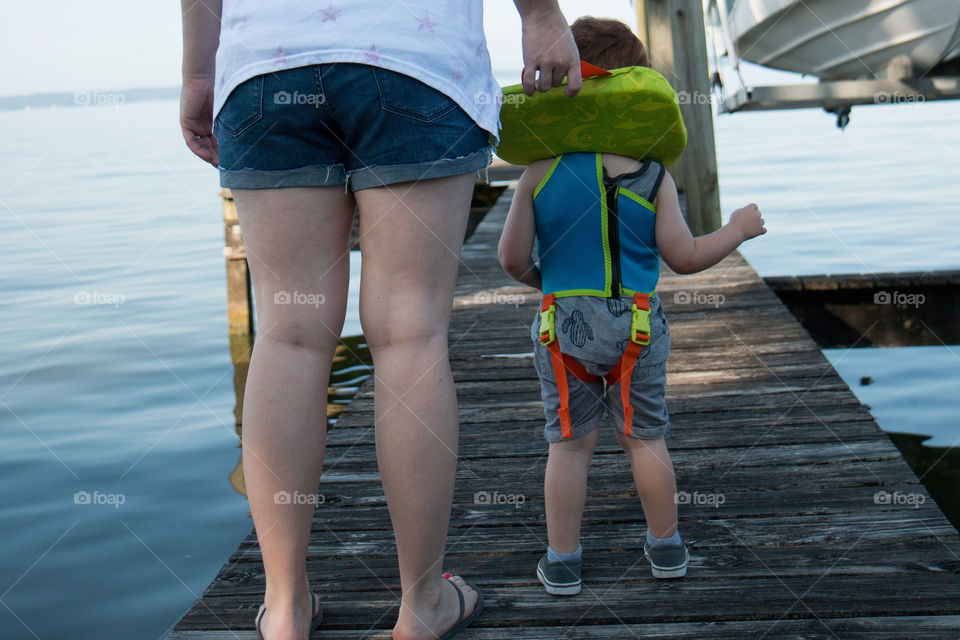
x: 116, y: 376
x: 129, y: 398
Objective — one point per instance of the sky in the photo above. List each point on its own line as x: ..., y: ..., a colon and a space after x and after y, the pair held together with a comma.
x: 99, y: 45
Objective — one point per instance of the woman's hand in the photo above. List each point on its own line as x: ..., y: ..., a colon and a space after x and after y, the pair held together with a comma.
x: 548, y: 47
x: 196, y: 117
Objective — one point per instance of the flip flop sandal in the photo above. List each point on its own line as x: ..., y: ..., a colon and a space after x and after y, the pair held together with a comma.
x: 463, y: 623
x: 316, y: 620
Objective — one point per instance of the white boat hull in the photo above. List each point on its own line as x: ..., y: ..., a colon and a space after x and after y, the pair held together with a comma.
x: 846, y: 39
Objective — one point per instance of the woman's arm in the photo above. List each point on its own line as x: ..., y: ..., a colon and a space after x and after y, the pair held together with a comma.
x: 685, y: 254
x: 519, y: 230
x: 201, y: 36
x: 548, y: 46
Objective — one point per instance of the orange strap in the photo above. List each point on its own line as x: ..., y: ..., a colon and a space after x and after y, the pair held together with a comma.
x: 578, y: 370
x: 548, y: 339
x: 560, y: 373
x: 624, y: 371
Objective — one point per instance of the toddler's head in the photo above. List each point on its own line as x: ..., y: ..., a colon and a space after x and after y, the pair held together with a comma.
x: 608, y: 44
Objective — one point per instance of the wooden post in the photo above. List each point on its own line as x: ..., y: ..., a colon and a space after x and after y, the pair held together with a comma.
x: 239, y: 300
x: 673, y: 32
x: 239, y: 296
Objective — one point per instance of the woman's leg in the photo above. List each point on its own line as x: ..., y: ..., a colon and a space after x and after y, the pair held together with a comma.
x: 656, y: 483
x: 565, y: 490
x: 297, y: 247
x: 410, y: 236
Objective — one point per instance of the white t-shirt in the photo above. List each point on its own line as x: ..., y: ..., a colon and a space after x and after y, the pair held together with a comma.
x: 439, y: 42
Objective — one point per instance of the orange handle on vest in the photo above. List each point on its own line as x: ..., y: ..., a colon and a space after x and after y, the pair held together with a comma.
x: 588, y: 70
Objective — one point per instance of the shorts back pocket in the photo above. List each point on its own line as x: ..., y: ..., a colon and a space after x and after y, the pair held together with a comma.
x: 407, y: 96
x: 244, y: 107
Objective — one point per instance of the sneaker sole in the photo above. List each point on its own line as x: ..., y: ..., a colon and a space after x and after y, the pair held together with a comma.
x: 662, y: 572
x: 557, y: 590
x: 668, y: 573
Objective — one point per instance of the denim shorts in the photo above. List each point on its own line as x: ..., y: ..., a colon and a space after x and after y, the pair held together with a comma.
x: 591, y: 401
x: 343, y: 124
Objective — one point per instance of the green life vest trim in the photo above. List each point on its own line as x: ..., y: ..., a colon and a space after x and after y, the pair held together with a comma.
x: 633, y: 112
x: 636, y: 198
x: 543, y: 181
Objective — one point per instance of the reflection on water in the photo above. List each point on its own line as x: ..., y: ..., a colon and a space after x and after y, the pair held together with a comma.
x: 938, y: 469
x: 352, y: 365
x: 911, y: 392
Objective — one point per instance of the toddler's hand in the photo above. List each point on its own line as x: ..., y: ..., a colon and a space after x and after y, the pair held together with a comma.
x: 749, y: 221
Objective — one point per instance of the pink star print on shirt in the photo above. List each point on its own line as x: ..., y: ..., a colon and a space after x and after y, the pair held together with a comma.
x: 330, y: 13
x: 372, y: 55
x: 426, y: 23
x: 280, y: 57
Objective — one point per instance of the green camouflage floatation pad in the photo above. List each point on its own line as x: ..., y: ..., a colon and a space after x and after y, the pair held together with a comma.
x: 634, y: 112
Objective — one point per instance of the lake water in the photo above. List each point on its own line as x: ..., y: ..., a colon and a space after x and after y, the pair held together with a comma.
x: 116, y: 379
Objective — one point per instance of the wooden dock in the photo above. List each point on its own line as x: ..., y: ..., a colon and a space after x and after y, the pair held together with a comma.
x: 803, y: 519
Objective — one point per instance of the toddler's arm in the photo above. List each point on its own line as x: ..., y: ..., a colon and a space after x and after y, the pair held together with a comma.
x: 685, y: 254
x: 519, y: 231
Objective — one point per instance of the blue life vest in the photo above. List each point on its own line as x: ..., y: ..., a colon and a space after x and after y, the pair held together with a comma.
x: 594, y: 237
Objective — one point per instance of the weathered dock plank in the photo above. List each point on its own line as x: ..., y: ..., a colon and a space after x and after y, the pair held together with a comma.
x: 863, y: 628
x: 821, y: 531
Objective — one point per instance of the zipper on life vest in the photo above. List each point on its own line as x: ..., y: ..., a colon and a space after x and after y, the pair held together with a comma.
x: 613, y: 235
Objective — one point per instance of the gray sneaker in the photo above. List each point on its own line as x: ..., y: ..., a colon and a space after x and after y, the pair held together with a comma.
x: 668, y: 560
x: 559, y: 578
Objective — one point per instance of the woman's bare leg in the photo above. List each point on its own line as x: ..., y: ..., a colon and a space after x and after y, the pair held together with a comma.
x: 297, y: 247
x: 410, y: 236
x: 656, y: 483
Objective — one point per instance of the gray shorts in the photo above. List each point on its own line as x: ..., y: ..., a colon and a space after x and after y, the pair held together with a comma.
x: 589, y: 401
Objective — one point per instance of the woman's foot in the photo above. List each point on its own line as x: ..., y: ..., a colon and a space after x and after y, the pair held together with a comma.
x: 428, y: 621
x: 289, y: 624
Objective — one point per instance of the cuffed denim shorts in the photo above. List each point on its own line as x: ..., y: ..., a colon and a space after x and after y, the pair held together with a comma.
x: 591, y: 401
x: 343, y: 124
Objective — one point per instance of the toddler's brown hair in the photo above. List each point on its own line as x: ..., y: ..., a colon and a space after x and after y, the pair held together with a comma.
x: 608, y: 43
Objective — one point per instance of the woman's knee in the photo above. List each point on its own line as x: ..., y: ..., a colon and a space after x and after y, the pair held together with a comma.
x: 306, y: 333
x: 386, y: 335
x: 417, y: 326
